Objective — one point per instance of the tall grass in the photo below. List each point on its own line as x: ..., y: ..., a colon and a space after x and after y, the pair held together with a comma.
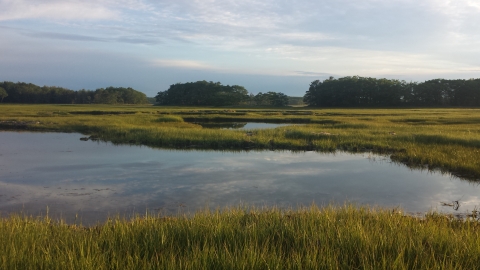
x: 240, y: 238
x: 169, y: 118
x: 445, y: 139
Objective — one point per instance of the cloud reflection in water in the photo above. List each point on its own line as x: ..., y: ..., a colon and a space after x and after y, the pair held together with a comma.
x: 96, y: 179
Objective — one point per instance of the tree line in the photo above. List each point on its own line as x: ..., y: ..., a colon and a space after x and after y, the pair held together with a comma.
x: 351, y: 91
x: 358, y: 91
x: 203, y: 93
x: 21, y: 92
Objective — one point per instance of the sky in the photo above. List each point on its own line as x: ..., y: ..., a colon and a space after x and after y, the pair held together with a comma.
x: 268, y: 45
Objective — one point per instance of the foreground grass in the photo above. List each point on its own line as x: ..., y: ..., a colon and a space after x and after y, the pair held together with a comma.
x: 445, y: 139
x: 327, y: 238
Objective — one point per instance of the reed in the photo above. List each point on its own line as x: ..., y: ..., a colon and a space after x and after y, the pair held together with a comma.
x: 345, y: 237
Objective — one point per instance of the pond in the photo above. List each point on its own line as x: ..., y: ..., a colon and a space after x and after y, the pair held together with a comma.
x: 95, y: 180
x: 239, y: 125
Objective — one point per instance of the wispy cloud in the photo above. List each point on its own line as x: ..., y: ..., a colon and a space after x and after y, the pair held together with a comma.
x: 133, y: 39
x: 369, y: 24
x: 62, y: 36
x: 312, y: 36
x: 137, y: 40
x: 181, y: 64
x: 270, y: 37
x: 55, y: 10
x: 312, y: 74
x: 346, y: 61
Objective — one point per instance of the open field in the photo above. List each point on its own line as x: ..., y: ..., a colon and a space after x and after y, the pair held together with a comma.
x: 329, y: 238
x: 445, y: 139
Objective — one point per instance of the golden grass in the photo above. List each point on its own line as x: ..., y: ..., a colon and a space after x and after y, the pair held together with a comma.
x: 329, y: 238
x: 445, y: 139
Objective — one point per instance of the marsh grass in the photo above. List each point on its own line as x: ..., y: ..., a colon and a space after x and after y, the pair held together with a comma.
x: 169, y: 118
x: 243, y: 238
x: 437, y: 139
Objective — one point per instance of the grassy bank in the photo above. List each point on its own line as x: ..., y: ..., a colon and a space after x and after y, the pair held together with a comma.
x: 445, y: 139
x: 328, y: 238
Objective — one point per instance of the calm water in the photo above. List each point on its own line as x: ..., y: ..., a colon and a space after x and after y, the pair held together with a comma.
x: 239, y: 125
x: 95, y: 180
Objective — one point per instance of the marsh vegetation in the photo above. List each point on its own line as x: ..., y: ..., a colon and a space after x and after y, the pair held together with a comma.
x: 346, y: 237
x: 443, y: 139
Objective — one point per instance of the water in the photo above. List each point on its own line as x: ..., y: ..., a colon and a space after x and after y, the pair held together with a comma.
x: 95, y: 180
x: 239, y: 125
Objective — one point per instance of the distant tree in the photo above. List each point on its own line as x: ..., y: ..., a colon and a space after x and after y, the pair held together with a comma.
x: 260, y: 99
x: 295, y: 101
x: 161, y: 98
x: 84, y: 96
x: 151, y: 100
x: 464, y: 93
x: 30, y: 93
x: 251, y: 99
x: 432, y: 93
x: 368, y: 92
x: 202, y: 93
x: 271, y: 99
x: 312, y: 96
x: 278, y: 99
x: 355, y: 91
x: 3, y: 93
x: 119, y: 95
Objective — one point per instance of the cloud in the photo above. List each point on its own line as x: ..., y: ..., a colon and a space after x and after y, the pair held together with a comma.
x: 137, y: 40
x: 242, y: 25
x: 335, y: 61
x: 347, y: 61
x: 236, y: 14
x: 134, y: 39
x: 217, y: 67
x: 55, y: 10
x: 312, y: 74
x: 181, y: 64
x: 63, y: 36
x: 303, y: 38
x: 67, y: 10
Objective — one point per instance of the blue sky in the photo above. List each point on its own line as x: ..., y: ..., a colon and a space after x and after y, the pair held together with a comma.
x: 268, y: 45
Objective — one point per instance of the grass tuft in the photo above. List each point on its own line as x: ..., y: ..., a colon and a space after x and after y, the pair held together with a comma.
x: 170, y: 118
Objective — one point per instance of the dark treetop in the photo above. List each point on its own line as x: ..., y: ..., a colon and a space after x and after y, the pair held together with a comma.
x: 203, y: 93
x: 30, y: 93
x: 370, y: 92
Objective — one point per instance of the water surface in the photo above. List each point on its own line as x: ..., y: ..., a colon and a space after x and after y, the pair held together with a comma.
x: 95, y: 179
x: 239, y: 125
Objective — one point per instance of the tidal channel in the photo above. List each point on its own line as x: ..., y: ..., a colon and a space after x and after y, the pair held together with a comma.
x: 87, y: 182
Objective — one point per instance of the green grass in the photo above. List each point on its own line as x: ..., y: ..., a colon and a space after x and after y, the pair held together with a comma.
x: 240, y: 238
x: 329, y: 238
x: 170, y: 118
x: 443, y: 139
